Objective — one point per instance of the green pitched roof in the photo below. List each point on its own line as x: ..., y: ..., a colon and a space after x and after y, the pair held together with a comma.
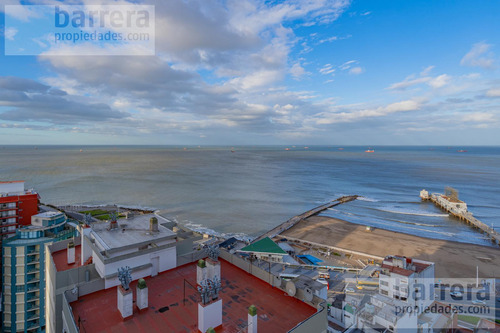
x: 265, y: 245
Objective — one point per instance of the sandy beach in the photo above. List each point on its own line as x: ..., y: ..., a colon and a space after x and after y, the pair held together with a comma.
x: 453, y: 259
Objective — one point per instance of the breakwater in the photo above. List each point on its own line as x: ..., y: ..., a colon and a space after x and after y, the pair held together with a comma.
x: 296, y: 219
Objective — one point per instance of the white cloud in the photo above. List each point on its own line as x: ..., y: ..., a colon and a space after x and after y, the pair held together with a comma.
x: 326, y: 118
x: 329, y: 39
x: 427, y: 71
x: 257, y: 80
x: 346, y: 65
x: 408, y: 82
x: 480, y: 117
x: 434, y: 82
x: 297, y: 71
x: 495, y: 92
x: 356, y: 70
x: 479, y: 56
x: 327, y: 69
x: 10, y: 33
x: 439, y: 81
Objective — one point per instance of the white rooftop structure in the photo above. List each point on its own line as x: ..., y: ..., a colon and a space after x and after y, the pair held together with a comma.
x: 14, y: 187
x: 140, y: 242
x: 131, y: 231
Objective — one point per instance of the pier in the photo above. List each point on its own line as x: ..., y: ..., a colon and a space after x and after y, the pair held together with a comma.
x: 296, y: 219
x: 450, y: 203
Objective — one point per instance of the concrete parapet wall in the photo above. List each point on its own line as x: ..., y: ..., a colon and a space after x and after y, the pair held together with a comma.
x: 68, y: 322
x: 318, y: 322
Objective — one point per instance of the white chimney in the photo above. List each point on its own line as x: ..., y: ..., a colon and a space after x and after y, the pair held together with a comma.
x: 71, y: 253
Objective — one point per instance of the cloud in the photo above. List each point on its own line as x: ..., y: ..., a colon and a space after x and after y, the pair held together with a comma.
x: 297, y: 71
x: 346, y: 65
x: 27, y: 100
x: 356, y: 70
x: 479, y: 56
x: 22, y: 84
x: 439, y: 81
x: 480, y: 117
x: 327, y: 118
x: 410, y: 81
x: 10, y: 33
x: 427, y: 71
x: 495, y: 92
x: 327, y: 69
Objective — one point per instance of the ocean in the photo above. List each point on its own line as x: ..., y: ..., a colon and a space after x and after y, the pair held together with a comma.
x: 253, y: 189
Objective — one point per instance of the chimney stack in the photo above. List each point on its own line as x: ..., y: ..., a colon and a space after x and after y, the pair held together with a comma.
x: 153, y: 224
x: 71, y: 253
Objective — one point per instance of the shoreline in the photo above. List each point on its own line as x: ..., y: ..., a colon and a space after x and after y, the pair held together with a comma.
x: 453, y: 259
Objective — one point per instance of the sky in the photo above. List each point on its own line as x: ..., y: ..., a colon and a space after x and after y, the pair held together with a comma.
x: 250, y: 72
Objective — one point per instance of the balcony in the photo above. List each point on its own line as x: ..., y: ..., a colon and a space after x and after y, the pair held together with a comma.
x: 32, y: 261
x: 33, y: 280
x: 33, y: 288
x: 33, y: 316
x: 4, y: 208
x: 32, y: 269
x: 8, y: 216
x: 31, y: 325
x: 33, y: 277
x: 32, y: 307
x: 32, y: 298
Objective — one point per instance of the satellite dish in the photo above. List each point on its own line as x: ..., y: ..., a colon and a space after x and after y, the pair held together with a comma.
x: 290, y: 288
x: 308, y: 294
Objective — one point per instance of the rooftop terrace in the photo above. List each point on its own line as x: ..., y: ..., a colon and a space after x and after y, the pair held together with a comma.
x: 61, y: 259
x: 131, y: 231
x: 277, y: 312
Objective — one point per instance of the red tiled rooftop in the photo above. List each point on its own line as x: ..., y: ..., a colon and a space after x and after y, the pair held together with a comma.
x: 61, y: 259
x: 277, y: 312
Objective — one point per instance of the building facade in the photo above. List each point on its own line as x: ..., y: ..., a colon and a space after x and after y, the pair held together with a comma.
x: 17, y: 205
x: 23, y: 268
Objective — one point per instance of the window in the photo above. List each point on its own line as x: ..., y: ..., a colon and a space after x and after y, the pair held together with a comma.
x: 384, y: 292
x: 384, y: 283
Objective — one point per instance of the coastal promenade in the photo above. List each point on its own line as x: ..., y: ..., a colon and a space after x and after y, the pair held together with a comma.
x: 296, y: 219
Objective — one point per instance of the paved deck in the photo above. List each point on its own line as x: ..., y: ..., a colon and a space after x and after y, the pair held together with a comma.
x: 277, y: 311
x: 61, y: 259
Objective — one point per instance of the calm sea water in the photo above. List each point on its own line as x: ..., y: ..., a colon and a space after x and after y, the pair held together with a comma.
x: 255, y: 188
